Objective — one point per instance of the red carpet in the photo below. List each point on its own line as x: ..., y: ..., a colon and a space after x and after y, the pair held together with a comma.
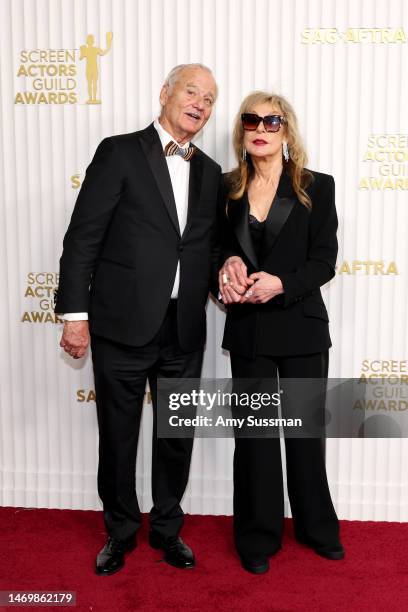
x: 54, y: 550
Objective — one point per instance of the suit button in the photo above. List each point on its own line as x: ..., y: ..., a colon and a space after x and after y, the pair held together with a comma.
x: 180, y: 247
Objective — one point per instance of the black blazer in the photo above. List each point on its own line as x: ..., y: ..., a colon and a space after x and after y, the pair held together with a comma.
x: 301, y: 248
x: 123, y: 243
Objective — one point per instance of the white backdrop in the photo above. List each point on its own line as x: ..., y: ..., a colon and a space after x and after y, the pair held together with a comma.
x: 341, y: 65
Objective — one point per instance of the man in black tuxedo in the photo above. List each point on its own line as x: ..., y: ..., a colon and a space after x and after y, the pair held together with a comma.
x: 139, y: 257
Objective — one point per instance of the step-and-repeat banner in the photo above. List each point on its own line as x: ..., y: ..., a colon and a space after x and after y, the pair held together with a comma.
x: 76, y: 71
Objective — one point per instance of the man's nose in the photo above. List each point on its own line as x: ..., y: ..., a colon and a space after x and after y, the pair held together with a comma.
x: 199, y: 102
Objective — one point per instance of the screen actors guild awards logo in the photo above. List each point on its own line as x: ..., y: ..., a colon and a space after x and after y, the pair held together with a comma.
x: 39, y: 292
x: 387, y: 159
x: 51, y: 76
x: 387, y: 387
x: 90, y: 53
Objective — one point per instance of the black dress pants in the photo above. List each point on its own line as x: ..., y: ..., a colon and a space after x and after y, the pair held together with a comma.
x: 258, y: 482
x: 120, y: 374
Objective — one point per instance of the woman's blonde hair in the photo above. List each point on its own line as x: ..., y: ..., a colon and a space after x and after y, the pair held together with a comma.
x: 238, y: 179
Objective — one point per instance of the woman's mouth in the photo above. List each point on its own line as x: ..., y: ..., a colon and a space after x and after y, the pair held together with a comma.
x: 259, y: 142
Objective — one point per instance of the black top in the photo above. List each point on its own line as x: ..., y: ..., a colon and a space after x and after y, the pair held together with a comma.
x: 256, y: 228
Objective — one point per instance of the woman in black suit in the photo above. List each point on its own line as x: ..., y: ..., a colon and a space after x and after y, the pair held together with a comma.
x: 280, y: 247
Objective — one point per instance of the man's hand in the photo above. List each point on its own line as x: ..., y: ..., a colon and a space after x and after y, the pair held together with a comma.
x: 266, y: 286
x: 233, y: 280
x: 75, y: 338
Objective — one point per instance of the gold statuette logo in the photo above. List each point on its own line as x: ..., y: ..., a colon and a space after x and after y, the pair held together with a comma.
x: 90, y: 53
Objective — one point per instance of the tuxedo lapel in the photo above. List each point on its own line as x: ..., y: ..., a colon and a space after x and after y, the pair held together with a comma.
x: 282, y: 206
x: 194, y: 186
x: 276, y: 219
x: 153, y: 150
x: 238, y: 211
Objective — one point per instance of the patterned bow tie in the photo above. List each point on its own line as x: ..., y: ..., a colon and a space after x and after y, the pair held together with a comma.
x: 172, y: 148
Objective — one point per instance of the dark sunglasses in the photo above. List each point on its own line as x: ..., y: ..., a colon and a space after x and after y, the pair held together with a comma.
x: 272, y: 123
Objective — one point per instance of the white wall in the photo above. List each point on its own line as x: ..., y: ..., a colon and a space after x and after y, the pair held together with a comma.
x: 343, y: 92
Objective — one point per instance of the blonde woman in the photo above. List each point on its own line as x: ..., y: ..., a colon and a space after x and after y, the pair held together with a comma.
x: 279, y: 248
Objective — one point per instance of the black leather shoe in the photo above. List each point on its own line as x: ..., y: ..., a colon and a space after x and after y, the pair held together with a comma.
x: 176, y: 553
x: 111, y: 558
x: 334, y: 552
x: 255, y: 566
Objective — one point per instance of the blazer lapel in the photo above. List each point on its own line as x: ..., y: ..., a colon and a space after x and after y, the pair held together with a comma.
x: 194, y: 186
x: 239, y: 211
x: 152, y: 148
x: 282, y: 206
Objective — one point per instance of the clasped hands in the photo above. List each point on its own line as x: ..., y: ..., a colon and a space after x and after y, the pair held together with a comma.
x: 236, y: 287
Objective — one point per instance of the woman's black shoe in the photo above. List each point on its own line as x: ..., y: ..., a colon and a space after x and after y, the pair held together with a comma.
x: 255, y: 566
x: 334, y: 552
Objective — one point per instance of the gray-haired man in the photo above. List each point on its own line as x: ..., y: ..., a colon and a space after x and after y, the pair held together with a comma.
x: 139, y: 256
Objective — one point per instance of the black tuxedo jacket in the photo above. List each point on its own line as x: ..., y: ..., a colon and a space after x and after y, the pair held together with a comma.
x: 123, y: 243
x: 300, y: 247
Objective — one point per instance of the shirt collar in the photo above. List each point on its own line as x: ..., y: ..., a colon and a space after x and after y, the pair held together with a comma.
x: 165, y: 137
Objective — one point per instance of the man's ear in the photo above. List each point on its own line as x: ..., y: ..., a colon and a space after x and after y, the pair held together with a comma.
x: 164, y: 95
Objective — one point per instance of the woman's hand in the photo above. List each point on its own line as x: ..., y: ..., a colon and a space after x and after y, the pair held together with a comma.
x: 233, y: 280
x: 266, y: 286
